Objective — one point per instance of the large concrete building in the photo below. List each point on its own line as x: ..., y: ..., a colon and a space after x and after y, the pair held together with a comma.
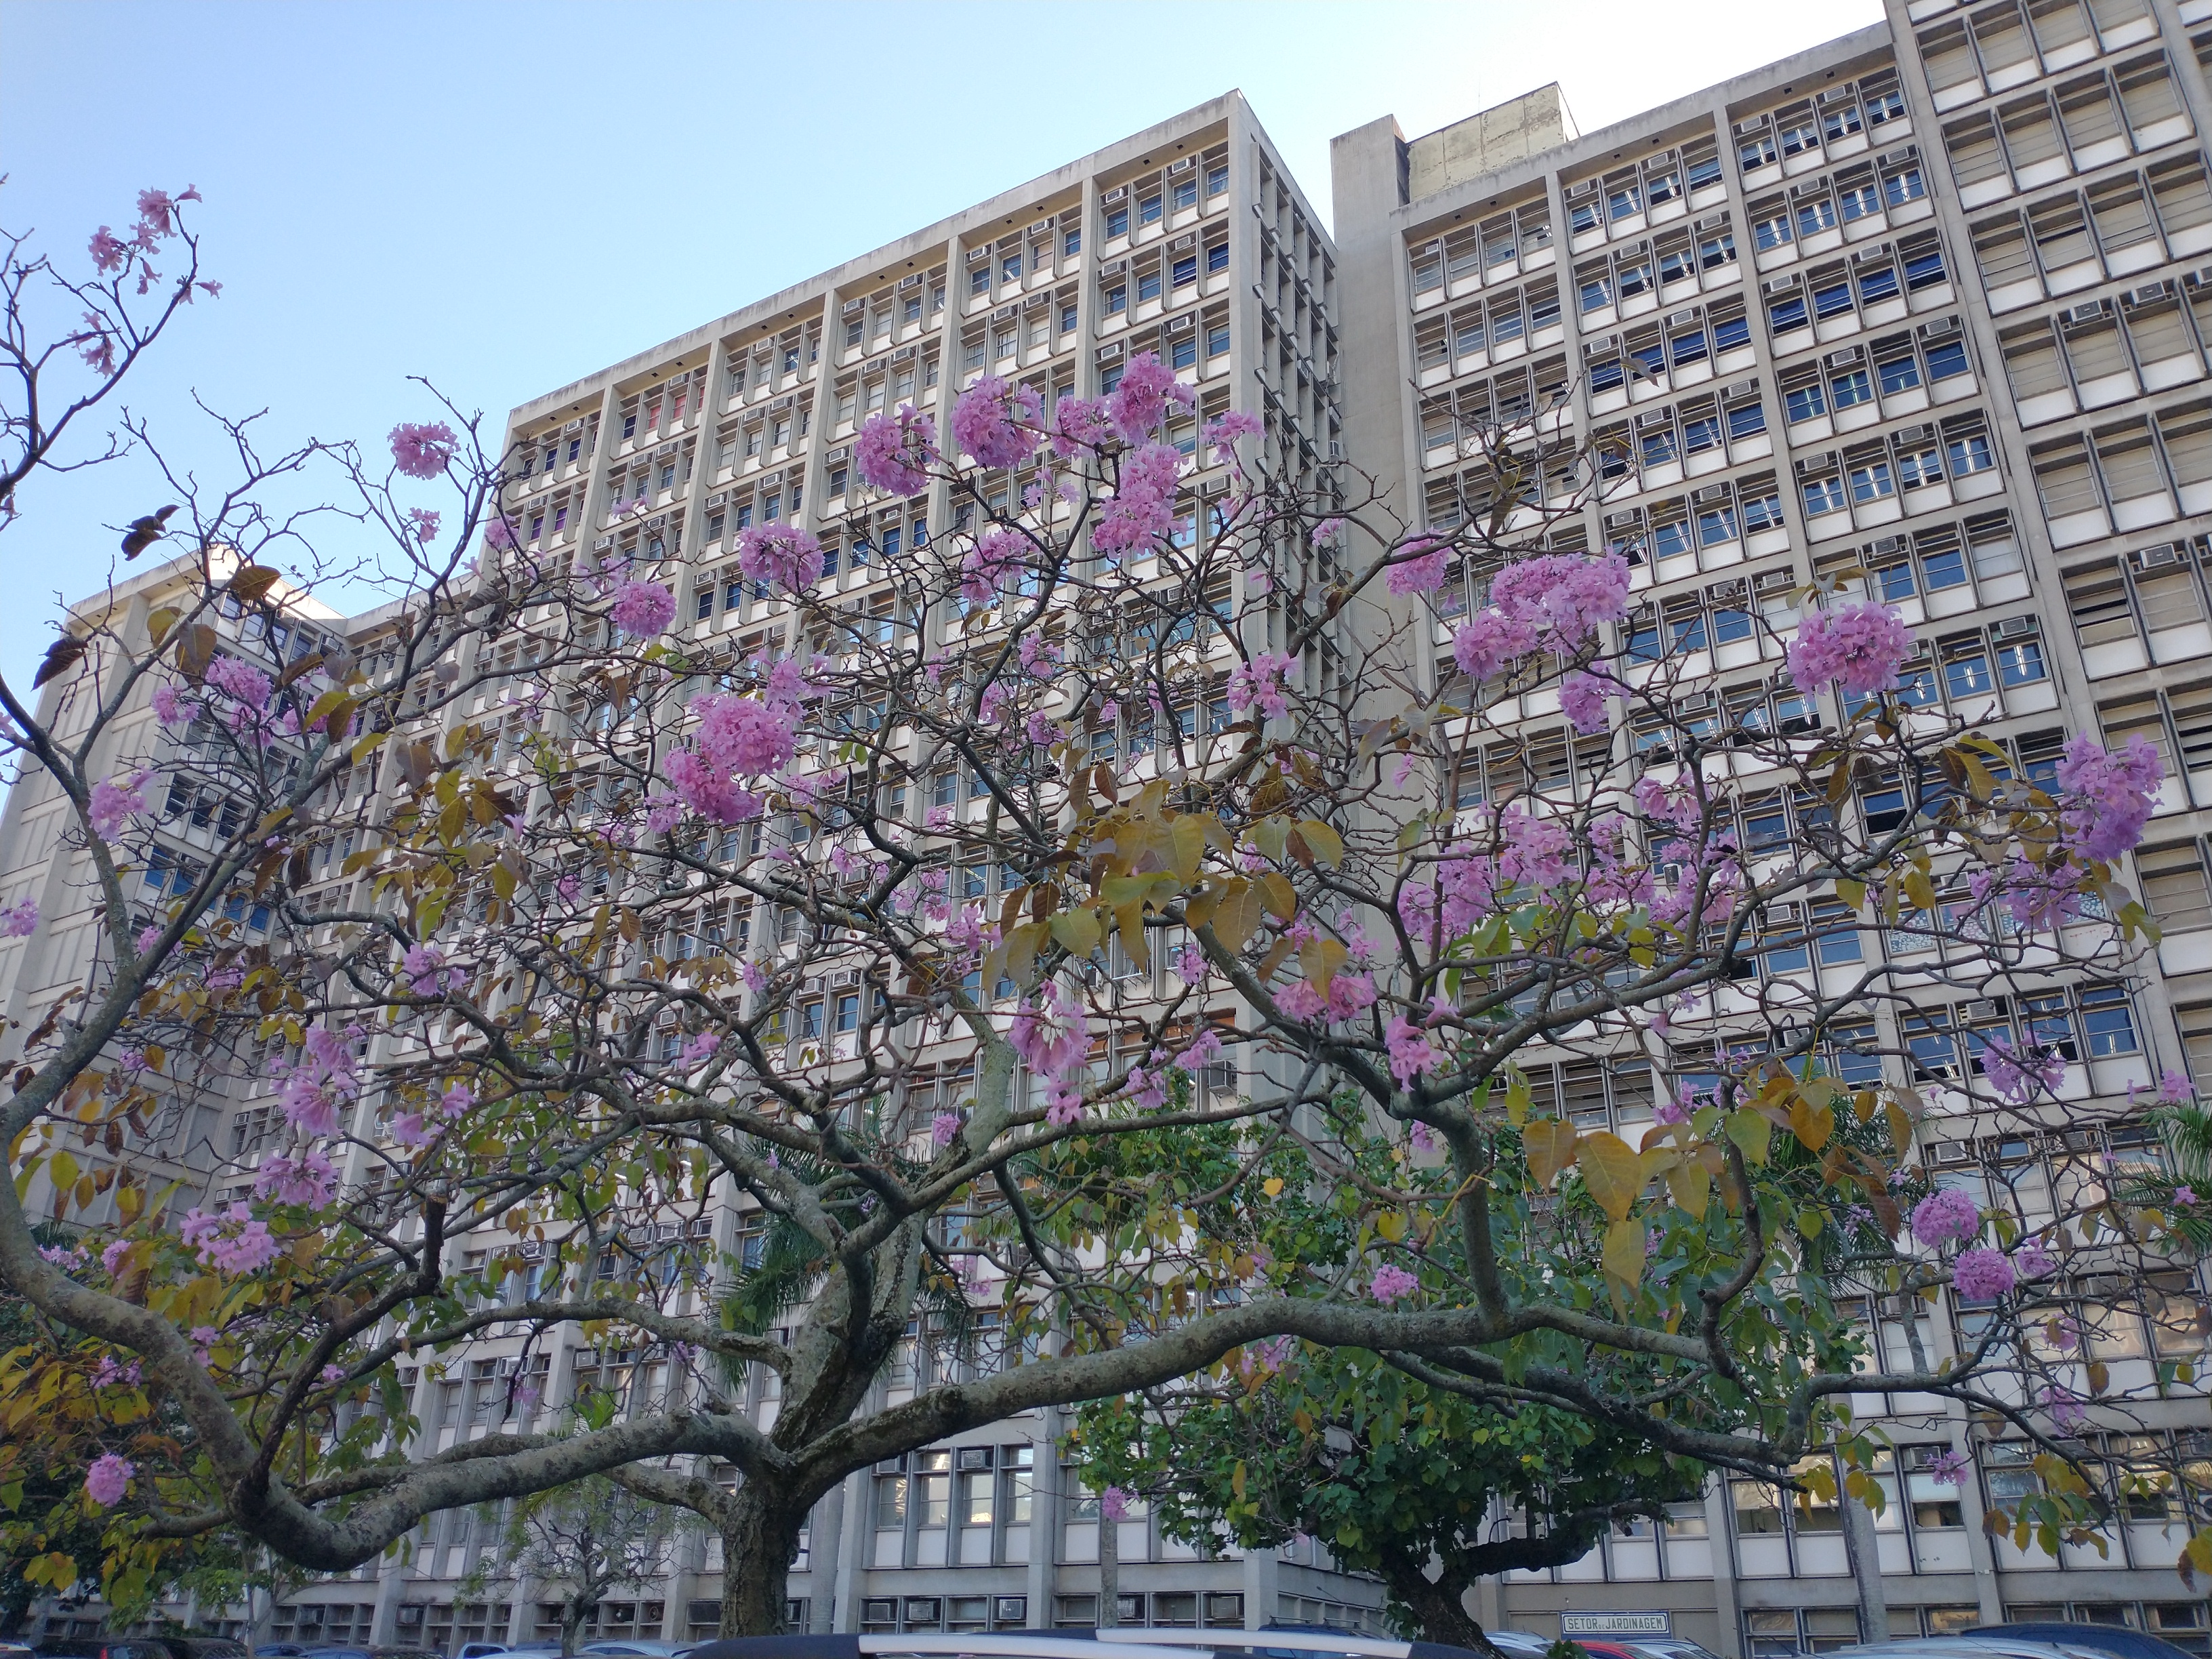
x: 1932, y: 300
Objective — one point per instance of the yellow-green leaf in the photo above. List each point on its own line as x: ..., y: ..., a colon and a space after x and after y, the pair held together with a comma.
x: 1078, y: 931
x: 1612, y: 1171
x: 1550, y: 1146
x: 1624, y: 1251
x: 1327, y: 846
x: 1751, y: 1132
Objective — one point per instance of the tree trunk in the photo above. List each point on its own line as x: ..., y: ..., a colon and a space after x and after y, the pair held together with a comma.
x: 1110, y: 1569
x: 1441, y: 1607
x: 760, y: 1539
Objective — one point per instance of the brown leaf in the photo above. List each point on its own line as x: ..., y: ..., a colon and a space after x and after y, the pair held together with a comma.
x: 63, y: 654
x: 195, y: 651
x: 252, y: 582
x: 1282, y: 898
x: 144, y: 532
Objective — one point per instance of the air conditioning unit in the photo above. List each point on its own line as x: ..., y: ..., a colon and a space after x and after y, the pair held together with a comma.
x: 1769, y: 581
x: 1779, y: 284
x: 1882, y: 546
x: 851, y: 307
x: 1110, y: 352
x: 1627, y: 520
x: 604, y: 545
x: 2087, y: 311
x: 1181, y: 166
x: 576, y: 425
x: 717, y: 500
x: 1655, y: 417
x: 1719, y: 492
x: 1890, y: 158
x: 1042, y: 227
x: 1740, y: 388
x: 1914, y: 434
x: 1843, y: 358
x: 2157, y: 558
x: 905, y: 353
x: 1676, y: 319
x: 783, y: 403
x: 1940, y: 329
x: 1695, y: 702
x: 769, y: 480
x: 1757, y: 123
x: 979, y: 256
x: 1182, y: 243
x: 908, y: 282
x: 1113, y: 267
x: 1603, y: 343
x: 2148, y: 294
x: 1587, y: 187
x: 1823, y: 462
x: 841, y: 453
x: 664, y: 452
x: 1336, y: 449
x: 1183, y: 325
x: 1866, y: 256
x: 2015, y: 628
x: 1119, y: 193
x: 1712, y: 222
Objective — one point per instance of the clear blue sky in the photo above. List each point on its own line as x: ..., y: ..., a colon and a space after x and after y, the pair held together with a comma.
x: 502, y: 197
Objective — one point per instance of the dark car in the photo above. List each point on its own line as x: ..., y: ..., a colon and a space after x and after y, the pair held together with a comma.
x: 370, y: 1653
x: 2115, y: 1639
x: 142, y: 1647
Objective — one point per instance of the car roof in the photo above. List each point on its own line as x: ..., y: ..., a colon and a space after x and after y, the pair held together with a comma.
x: 2108, y: 1638
x: 1273, y: 1638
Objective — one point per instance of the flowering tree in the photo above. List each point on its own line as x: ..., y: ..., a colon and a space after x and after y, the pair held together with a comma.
x: 994, y: 939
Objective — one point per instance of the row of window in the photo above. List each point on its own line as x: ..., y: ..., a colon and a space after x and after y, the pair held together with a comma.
x: 1502, y: 244
x: 2128, y: 476
x: 2145, y: 607
x: 2106, y: 351
x: 2069, y: 242
x: 2078, y: 125
x: 1842, y: 117
x: 2007, y: 46
x: 1873, y: 479
x: 1654, y: 266
x: 1628, y: 193
x: 1853, y: 196
x: 1481, y: 327
x: 1865, y: 288
x: 1160, y: 194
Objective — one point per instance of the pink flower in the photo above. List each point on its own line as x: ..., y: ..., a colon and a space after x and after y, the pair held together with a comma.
x: 112, y: 1258
x: 2033, y: 1260
x: 1422, y: 566
x: 1411, y: 1053
x: 1982, y: 1274
x: 154, y: 207
x: 643, y: 610
x: 1227, y: 427
x: 240, y: 681
x: 1945, y: 1217
x: 20, y: 919
x: 1114, y: 1504
x: 2174, y: 1089
x: 736, y: 735
x: 331, y: 1374
x: 499, y: 532
x: 2185, y: 1196
x: 230, y: 1242
x: 2106, y: 798
x: 1141, y: 510
x: 424, y: 969
x: 895, y: 453
x: 944, y: 1128
x: 1563, y: 596
x: 112, y: 803
x: 1581, y: 699
x: 108, y: 255
x: 1535, y: 850
x: 1859, y: 647
x: 1489, y: 640
x: 1140, y: 403
x: 323, y: 1081
x: 307, y: 1179
x: 1947, y: 1468
x: 2015, y: 1073
x: 1393, y: 1284
x: 1263, y: 683
x: 173, y: 708
x: 783, y: 553
x: 108, y: 1478
x: 422, y: 525
x: 1349, y: 995
x: 1080, y: 426
x: 989, y: 417
x: 2064, y: 1406
x: 1674, y: 1108
x: 423, y: 450
x: 1202, y: 1051
x: 1300, y: 1001
x: 990, y: 566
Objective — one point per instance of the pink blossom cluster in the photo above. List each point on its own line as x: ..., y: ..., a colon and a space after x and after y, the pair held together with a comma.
x: 240, y: 681
x: 1139, y: 406
x: 1392, y: 1283
x: 1945, y: 1217
x: 1420, y: 567
x: 109, y: 1375
x: 229, y: 1240
x: 1563, y: 596
x: 944, y: 1129
x: 990, y: 563
x: 306, y: 1179
x: 2015, y: 1073
x: 996, y: 422
x: 2106, y: 798
x: 1677, y: 805
x: 1263, y: 683
x: 1488, y: 641
x: 1114, y: 1504
x: 112, y: 803
x: 1982, y: 1274
x: 2065, y: 1406
x: 895, y: 453
x: 1410, y: 1051
x: 1200, y: 1053
x: 108, y: 1478
x: 1081, y: 426
x: 424, y: 969
x: 323, y: 1080
x: 1712, y: 871
x: 1581, y: 699
x: 1348, y: 994
x: 743, y: 736
x: 1141, y: 510
x: 173, y: 708
x: 422, y: 525
x: 1858, y: 648
x: 780, y: 553
x: 1053, y: 1040
x: 422, y: 450
x: 20, y: 919
x: 643, y: 610
x: 1949, y: 1469
x: 1535, y: 850
x: 413, y: 1128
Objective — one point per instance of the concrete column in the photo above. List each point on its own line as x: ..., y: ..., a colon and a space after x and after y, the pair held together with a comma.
x: 1720, y: 1528
x: 1262, y: 1573
x: 852, y: 1558
x: 824, y: 1558
x: 1040, y: 1581
x: 1866, y: 1569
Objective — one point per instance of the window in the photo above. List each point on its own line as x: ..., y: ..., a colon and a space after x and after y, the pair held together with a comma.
x: 1186, y: 270
x: 1902, y: 186
x: 1216, y: 340
x: 2107, y: 1021
x: 1744, y: 419
x: 1117, y: 221
x: 1815, y: 216
x: 1148, y: 210
x: 1899, y: 373
x: 1925, y: 271
x: 1715, y: 251
x: 1871, y: 482
x: 1217, y: 179
x: 1806, y: 402
x: 1183, y: 354
x: 1185, y: 193
x: 1755, y: 153
x: 1824, y: 495
x: 1216, y: 259
x: 1148, y: 284
x: 1970, y: 453
x: 1785, y: 314
x: 1772, y: 232
x: 1117, y: 299
x: 1852, y: 389
x: 1946, y: 359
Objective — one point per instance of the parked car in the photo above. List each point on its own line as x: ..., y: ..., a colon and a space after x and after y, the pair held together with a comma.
x: 142, y: 1647
x: 371, y: 1653
x: 2118, y: 1640
x: 1976, y: 1644
x: 642, y: 1647
x: 485, y: 1649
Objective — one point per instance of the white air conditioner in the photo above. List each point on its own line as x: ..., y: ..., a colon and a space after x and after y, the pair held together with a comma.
x: 1121, y: 193
x: 1842, y: 359
x: 906, y: 283
x: 1184, y: 166
x: 1740, y: 388
x: 2155, y: 558
x: 1754, y: 125
x: 1768, y: 581
x: 841, y: 453
x: 1779, y: 284
x: 1939, y: 328
x: 1890, y: 158
x: 851, y: 307
x: 2013, y: 627
x: 1882, y: 546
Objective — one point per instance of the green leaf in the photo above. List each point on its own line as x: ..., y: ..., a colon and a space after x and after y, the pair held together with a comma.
x: 1751, y: 1132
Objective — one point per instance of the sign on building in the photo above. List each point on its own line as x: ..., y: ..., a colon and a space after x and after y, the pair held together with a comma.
x: 1616, y: 1624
